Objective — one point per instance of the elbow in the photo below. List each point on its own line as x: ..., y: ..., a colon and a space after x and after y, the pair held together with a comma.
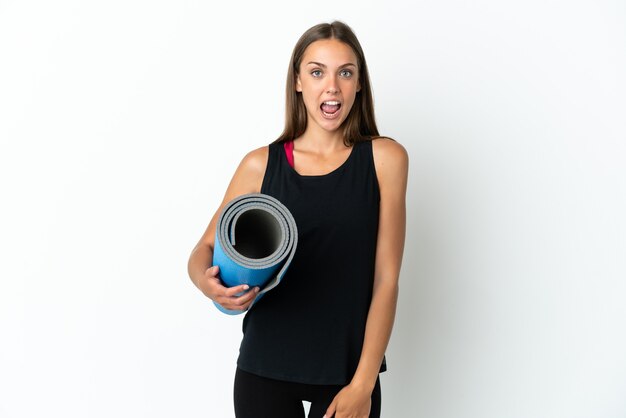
x: 201, y: 253
x: 388, y: 285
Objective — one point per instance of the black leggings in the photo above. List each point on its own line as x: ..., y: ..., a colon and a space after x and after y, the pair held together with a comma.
x: 260, y: 397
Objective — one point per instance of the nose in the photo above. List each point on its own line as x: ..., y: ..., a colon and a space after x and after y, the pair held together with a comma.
x: 333, y: 86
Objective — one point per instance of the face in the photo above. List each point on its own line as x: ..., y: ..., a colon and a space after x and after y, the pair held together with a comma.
x: 328, y: 73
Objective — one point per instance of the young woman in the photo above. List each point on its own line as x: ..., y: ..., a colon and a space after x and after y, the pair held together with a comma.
x: 321, y: 334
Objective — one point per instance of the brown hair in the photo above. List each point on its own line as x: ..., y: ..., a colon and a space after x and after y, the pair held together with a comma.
x: 360, y: 124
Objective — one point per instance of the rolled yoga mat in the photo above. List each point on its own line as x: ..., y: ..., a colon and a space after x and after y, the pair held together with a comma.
x: 255, y: 240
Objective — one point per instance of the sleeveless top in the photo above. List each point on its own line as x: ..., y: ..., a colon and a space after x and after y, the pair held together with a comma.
x: 311, y: 327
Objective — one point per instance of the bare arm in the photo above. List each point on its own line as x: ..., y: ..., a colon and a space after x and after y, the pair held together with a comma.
x: 247, y: 179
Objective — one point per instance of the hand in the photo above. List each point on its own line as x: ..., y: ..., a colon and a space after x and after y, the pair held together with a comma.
x: 351, y: 402
x: 213, y: 288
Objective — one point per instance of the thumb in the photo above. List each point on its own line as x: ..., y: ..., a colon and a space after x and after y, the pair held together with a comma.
x: 330, y: 411
x: 213, y: 270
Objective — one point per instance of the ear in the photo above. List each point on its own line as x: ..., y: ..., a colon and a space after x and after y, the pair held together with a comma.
x: 298, y: 83
x: 358, y: 86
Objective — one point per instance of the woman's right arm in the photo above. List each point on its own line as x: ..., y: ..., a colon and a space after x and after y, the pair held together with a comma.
x: 247, y: 179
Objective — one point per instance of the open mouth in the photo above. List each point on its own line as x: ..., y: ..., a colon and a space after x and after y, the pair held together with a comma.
x: 330, y: 107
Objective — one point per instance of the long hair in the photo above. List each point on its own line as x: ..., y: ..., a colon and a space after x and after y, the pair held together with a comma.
x: 360, y: 125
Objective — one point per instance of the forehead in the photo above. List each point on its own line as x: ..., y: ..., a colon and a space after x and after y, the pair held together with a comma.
x: 330, y: 52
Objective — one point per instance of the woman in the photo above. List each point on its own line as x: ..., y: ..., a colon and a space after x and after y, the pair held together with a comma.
x: 320, y: 335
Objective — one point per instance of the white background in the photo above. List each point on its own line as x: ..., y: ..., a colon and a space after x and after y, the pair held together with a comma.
x: 121, y: 123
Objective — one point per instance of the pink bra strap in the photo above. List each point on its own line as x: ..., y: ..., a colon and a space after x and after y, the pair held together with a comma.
x: 289, y: 151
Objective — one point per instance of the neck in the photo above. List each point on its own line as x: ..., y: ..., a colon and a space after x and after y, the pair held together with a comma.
x: 321, y: 141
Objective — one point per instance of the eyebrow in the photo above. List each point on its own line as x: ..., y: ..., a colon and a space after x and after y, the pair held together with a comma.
x: 324, y: 66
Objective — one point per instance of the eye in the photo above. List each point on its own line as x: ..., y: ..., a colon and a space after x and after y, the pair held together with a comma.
x: 347, y: 71
x: 315, y: 71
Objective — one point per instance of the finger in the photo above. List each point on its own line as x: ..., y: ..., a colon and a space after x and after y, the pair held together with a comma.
x: 247, y: 297
x: 243, y: 302
x: 253, y: 296
x: 232, y: 291
x: 233, y: 307
x: 229, y: 299
x: 236, y: 306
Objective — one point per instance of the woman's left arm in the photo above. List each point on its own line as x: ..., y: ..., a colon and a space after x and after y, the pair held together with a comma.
x: 392, y: 165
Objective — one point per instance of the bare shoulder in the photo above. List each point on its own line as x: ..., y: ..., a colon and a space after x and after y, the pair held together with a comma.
x: 390, y: 159
x: 248, y: 177
x: 255, y: 161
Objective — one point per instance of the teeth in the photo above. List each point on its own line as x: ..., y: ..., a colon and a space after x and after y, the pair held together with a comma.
x: 332, y: 102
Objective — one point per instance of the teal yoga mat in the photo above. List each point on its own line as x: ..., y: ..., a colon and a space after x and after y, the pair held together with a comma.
x: 255, y: 240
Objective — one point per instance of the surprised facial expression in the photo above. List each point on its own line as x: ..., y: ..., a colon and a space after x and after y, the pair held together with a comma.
x: 328, y: 81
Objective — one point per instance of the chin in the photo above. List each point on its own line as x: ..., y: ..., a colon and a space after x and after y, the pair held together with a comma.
x: 331, y: 125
